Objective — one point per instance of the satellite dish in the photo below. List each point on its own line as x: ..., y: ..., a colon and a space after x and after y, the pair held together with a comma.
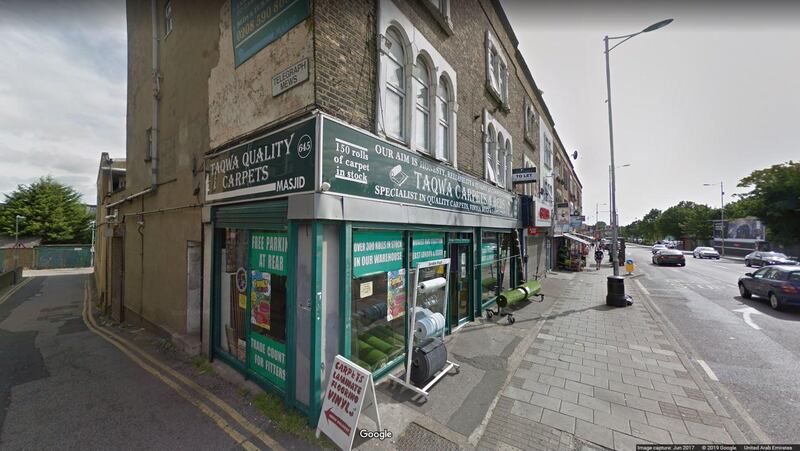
x: 575, y: 155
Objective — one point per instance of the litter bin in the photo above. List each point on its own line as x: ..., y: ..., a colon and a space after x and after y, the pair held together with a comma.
x: 616, y: 292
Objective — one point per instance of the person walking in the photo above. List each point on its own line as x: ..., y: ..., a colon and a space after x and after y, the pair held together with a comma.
x: 598, y: 257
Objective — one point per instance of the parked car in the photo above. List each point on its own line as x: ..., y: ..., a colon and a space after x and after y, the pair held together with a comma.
x: 780, y: 284
x: 658, y: 247
x: 759, y: 258
x: 705, y: 252
x: 669, y: 257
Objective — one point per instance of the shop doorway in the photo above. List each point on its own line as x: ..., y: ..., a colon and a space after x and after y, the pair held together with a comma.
x: 460, y: 252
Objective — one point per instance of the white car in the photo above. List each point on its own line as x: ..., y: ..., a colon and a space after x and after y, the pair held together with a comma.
x: 705, y: 252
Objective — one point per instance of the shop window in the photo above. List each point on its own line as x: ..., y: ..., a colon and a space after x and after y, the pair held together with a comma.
x: 253, y: 284
x: 378, y: 298
x: 496, y: 253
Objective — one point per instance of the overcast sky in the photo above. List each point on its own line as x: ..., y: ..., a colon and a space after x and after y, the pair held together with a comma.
x: 710, y: 97
x: 62, y: 90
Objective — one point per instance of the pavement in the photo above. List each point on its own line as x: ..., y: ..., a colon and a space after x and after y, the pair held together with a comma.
x: 571, y: 373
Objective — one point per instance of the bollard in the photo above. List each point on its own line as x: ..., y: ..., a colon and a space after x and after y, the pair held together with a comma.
x: 629, y: 266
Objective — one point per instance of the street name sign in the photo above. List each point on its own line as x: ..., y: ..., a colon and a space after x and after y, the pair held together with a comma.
x: 348, y: 386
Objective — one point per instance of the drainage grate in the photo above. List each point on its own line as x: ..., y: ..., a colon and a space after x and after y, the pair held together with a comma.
x: 417, y: 437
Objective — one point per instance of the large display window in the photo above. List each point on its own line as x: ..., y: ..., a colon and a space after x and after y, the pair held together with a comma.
x: 495, y: 264
x: 253, y: 299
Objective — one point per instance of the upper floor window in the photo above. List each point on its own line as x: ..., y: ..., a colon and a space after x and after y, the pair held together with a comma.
x: 548, y: 152
x: 496, y: 70
x: 441, y: 12
x: 527, y: 188
x: 395, y: 96
x: 443, y: 119
x: 531, y: 121
x: 491, y: 155
x: 422, y: 106
x: 498, y: 151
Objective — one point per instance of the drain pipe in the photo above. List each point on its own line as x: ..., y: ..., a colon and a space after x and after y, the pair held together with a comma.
x: 156, y: 95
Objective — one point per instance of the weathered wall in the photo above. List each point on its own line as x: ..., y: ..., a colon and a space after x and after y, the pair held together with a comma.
x: 240, y: 98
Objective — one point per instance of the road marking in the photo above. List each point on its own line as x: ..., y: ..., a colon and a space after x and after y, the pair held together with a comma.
x: 128, y: 349
x: 708, y: 370
x: 15, y: 289
x: 641, y: 287
x: 746, y: 312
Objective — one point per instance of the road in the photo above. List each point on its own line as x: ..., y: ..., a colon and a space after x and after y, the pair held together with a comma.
x: 64, y: 386
x: 755, y: 352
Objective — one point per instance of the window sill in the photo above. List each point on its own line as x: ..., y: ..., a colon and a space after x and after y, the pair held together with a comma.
x: 503, y: 104
x: 441, y: 19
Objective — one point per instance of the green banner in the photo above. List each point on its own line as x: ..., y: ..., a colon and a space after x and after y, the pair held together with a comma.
x: 275, y: 164
x: 488, y: 253
x: 257, y: 23
x: 268, y: 252
x: 359, y: 164
x: 426, y: 246
x: 267, y: 358
x: 376, y: 251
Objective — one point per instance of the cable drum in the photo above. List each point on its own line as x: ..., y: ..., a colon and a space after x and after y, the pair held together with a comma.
x: 427, y: 360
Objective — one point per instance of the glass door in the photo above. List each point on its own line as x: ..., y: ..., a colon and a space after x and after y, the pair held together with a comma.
x: 460, y: 252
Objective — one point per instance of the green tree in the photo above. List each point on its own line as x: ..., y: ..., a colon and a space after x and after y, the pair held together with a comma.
x: 52, y: 210
x: 775, y: 199
x: 600, y: 225
x: 697, y: 223
x: 647, y: 227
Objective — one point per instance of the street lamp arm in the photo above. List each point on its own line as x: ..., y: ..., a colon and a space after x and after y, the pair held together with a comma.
x: 624, y: 38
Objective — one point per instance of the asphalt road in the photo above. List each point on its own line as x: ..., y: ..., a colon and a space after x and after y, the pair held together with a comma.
x: 759, y: 367
x: 64, y: 387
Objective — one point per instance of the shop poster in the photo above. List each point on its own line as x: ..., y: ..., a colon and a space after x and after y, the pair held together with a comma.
x: 395, y: 294
x: 268, y: 358
x: 261, y: 299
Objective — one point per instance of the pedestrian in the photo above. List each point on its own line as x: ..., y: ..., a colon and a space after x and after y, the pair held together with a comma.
x: 598, y: 257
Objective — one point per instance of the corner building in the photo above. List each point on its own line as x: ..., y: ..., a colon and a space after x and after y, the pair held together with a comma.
x: 289, y: 164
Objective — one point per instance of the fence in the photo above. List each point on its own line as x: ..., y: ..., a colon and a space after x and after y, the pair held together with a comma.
x: 47, y: 257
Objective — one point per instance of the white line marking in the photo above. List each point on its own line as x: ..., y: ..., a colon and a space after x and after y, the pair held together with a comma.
x: 746, y: 312
x: 641, y: 287
x: 708, y: 370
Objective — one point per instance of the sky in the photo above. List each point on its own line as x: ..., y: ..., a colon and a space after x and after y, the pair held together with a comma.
x: 709, y: 98
x: 62, y: 90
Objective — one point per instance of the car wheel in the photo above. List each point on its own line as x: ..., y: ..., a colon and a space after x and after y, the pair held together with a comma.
x: 774, y: 302
x: 747, y: 263
x: 744, y: 291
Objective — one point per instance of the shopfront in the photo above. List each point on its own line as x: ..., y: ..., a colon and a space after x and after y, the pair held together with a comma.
x: 319, y: 229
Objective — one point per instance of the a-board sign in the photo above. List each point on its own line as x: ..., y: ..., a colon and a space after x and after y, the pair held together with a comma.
x: 523, y: 175
x: 344, y: 397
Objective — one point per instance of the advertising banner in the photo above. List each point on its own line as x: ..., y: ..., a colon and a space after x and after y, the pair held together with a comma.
x: 267, y: 357
x: 426, y: 246
x: 256, y: 23
x: 261, y: 299
x: 359, y: 164
x: 268, y: 252
x: 376, y: 251
x: 276, y: 164
x: 395, y: 294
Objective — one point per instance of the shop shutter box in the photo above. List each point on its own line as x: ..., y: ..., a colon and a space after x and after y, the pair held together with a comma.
x: 270, y: 215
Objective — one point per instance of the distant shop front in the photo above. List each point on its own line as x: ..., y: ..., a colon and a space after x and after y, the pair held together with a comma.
x: 318, y: 230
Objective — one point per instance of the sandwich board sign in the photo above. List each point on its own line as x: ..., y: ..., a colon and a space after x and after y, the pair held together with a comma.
x: 348, y: 387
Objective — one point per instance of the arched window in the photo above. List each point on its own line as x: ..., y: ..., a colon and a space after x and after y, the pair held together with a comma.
x: 393, y: 110
x: 422, y: 107
x: 443, y: 120
x: 507, y: 164
x: 491, y: 150
x: 500, y: 158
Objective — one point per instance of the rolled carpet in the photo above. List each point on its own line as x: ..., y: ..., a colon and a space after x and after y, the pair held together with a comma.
x: 374, y: 358
x: 532, y: 287
x: 379, y: 344
x: 511, y: 297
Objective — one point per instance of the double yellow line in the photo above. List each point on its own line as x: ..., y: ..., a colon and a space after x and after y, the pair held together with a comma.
x: 15, y: 289
x: 174, y: 379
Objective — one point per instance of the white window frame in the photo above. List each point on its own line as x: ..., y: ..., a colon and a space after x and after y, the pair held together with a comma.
x: 443, y: 121
x: 530, y: 120
x: 440, y: 10
x: 424, y: 110
x: 169, y: 22
x: 396, y: 90
x: 497, y: 158
x: 496, y: 70
x: 527, y: 188
x: 416, y: 45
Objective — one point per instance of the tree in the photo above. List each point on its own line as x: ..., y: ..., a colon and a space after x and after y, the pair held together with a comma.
x: 775, y: 199
x: 647, y: 228
x: 52, y: 210
x: 600, y: 225
x: 697, y: 223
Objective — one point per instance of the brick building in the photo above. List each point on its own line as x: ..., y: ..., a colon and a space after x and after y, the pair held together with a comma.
x: 290, y: 164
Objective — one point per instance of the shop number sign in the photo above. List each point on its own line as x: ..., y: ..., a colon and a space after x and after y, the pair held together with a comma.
x: 348, y: 387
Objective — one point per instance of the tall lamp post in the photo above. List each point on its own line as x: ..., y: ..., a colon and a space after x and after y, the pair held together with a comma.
x: 721, y: 209
x: 619, y: 295
x: 597, y: 212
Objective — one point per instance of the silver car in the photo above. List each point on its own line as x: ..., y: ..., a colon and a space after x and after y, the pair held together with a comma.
x: 705, y: 252
x: 658, y: 247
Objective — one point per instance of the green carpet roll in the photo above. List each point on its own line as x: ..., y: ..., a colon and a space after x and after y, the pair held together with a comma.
x: 511, y: 297
x: 489, y: 282
x: 363, y: 346
x: 379, y: 344
x: 532, y: 287
x: 374, y: 358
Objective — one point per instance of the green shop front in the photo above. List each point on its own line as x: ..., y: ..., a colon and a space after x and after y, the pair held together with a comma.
x: 318, y: 231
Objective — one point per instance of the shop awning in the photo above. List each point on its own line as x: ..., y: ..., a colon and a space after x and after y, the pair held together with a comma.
x: 585, y: 237
x: 576, y: 238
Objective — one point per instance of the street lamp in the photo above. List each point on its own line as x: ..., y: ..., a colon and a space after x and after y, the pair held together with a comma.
x: 620, y: 297
x: 597, y: 212
x: 93, y: 225
x: 721, y: 210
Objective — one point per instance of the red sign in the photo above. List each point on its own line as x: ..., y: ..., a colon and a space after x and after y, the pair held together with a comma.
x: 532, y: 231
x: 544, y: 213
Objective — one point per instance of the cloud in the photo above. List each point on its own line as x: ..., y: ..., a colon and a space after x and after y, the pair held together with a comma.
x: 62, y: 90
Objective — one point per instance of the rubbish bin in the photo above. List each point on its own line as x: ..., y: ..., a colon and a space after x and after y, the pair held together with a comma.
x: 616, y: 292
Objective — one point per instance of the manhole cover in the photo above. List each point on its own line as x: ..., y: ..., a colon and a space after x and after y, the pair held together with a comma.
x: 417, y: 437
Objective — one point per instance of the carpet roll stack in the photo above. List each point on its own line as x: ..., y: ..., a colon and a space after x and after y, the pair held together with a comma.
x: 429, y: 326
